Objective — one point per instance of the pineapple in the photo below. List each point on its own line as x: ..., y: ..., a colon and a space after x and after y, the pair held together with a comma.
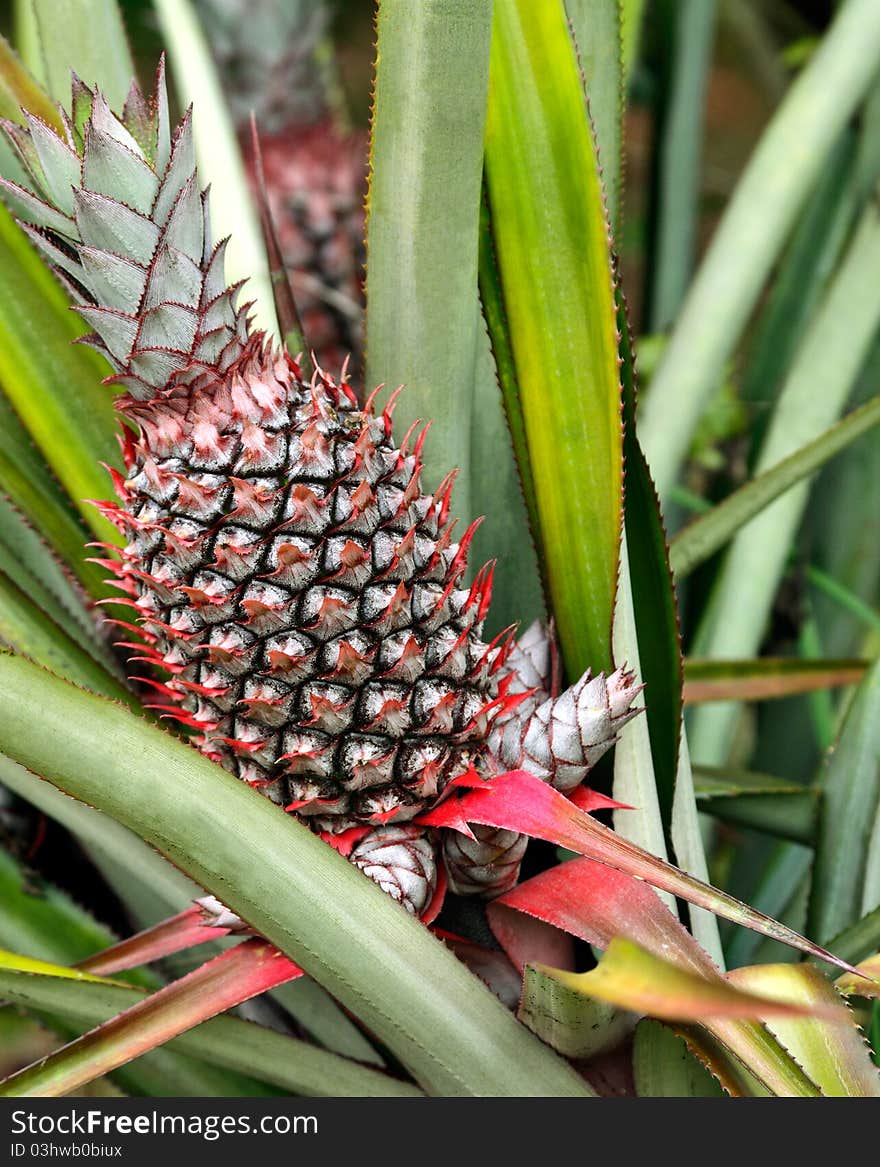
x: 300, y: 595
x: 316, y: 175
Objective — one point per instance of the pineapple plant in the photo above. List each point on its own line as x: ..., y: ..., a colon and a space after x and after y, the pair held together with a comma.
x: 271, y: 56
x: 298, y: 604
x: 302, y: 599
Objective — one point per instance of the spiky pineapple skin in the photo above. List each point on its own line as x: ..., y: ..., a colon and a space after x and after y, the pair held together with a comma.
x: 303, y: 595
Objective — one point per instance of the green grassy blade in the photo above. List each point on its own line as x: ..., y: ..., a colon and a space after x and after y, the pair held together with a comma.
x: 690, y: 853
x: 756, y: 223
x: 664, y: 1067
x: 26, y: 559
x: 705, y: 535
x: 30, y: 485
x: 859, y: 940
x: 570, y: 1022
x: 596, y: 27
x: 27, y: 629
x: 169, y: 890
x: 220, y: 163
x: 19, y: 90
x: 850, y: 785
x: 226, y: 1041
x: 832, y: 1052
x: 806, y: 266
x: 814, y: 395
x: 781, y: 877
x: 83, y: 36
x: 679, y: 155
x: 550, y: 233
x: 438, y: 1019
x: 216, y: 986
x: 47, y: 926
x: 423, y: 321
x: 53, y: 385
x: 631, y: 13
x: 762, y: 802
x: 765, y: 678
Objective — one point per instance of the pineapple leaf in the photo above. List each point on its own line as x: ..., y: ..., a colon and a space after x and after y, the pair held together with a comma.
x: 371, y: 954
x: 597, y: 33
x: 86, y: 37
x: 54, y: 386
x: 706, y: 534
x: 598, y: 904
x: 220, y: 163
x: 18, y: 90
x: 243, y: 972
x: 569, y: 1021
x: 756, y: 224
x: 238, y: 1045
x: 832, y: 1051
x: 841, y: 892
x: 551, y: 241
x: 177, y: 934
x: 764, y: 678
x: 664, y: 1067
x: 423, y: 321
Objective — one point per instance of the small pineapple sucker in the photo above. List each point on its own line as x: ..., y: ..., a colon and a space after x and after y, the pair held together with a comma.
x: 272, y: 59
x: 301, y: 596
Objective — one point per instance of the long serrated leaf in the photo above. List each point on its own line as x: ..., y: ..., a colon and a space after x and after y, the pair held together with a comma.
x: 30, y: 485
x: 226, y: 1041
x: 376, y: 959
x: 831, y: 1050
x: 243, y: 972
x: 551, y: 241
x: 664, y: 1067
x: 630, y: 977
x: 764, y: 678
x: 756, y: 223
x: 54, y: 385
x: 19, y: 90
x: 44, y: 924
x: 850, y: 785
x: 570, y: 1022
x: 26, y: 628
x: 220, y: 162
x: 519, y: 801
x: 597, y: 904
x: 688, y: 45
x: 596, y: 28
x: 706, y: 534
x: 423, y: 322
x: 83, y: 36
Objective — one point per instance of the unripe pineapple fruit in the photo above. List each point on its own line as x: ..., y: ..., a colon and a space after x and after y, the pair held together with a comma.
x: 300, y: 595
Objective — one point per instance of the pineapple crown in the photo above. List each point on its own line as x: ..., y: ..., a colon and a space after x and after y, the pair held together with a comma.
x: 117, y: 210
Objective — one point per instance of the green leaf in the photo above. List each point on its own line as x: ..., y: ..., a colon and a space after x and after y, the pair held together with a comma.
x: 423, y: 321
x: 859, y: 940
x: 706, y: 534
x: 630, y: 977
x: 83, y: 36
x: 53, y: 385
x: 756, y: 223
x: 689, y: 26
x: 551, y: 241
x: 831, y: 1050
x: 19, y: 90
x: 760, y: 801
x: 850, y: 785
x: 30, y: 631
x: 574, y: 1025
x: 29, y: 483
x: 235, y: 976
x: 219, y: 159
x: 163, y: 889
x: 596, y: 28
x: 445, y: 1026
x: 764, y: 678
x: 664, y: 1067
x: 631, y: 14
x: 238, y: 1045
x: 48, y: 927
